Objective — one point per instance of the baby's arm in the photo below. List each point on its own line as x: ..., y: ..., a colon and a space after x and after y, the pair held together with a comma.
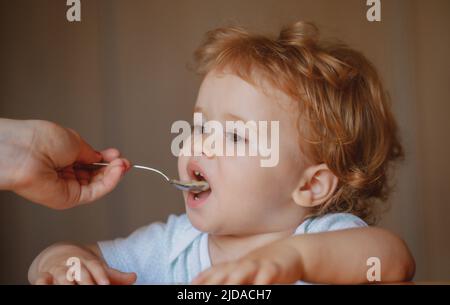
x: 337, y: 257
x: 50, y: 267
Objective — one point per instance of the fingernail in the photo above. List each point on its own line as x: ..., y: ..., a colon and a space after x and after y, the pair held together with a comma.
x: 127, y: 164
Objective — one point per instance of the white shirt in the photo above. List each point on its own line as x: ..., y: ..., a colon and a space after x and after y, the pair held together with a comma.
x: 175, y: 251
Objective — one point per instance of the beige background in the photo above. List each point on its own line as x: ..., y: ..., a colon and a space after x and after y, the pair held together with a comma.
x: 120, y: 78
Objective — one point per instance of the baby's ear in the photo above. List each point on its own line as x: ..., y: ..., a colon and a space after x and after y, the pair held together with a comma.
x: 317, y: 184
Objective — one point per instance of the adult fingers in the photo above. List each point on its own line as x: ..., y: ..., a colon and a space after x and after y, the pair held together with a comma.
x: 103, y: 181
x: 117, y: 277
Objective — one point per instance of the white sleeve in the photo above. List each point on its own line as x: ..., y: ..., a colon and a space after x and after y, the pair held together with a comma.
x: 131, y: 254
x: 144, y: 252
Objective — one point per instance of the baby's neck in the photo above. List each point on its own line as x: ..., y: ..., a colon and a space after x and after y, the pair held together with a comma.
x: 223, y: 248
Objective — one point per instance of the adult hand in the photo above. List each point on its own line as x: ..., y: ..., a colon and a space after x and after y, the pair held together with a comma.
x: 37, y: 161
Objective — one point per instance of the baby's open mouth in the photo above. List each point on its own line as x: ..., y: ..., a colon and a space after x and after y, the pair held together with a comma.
x: 197, y: 175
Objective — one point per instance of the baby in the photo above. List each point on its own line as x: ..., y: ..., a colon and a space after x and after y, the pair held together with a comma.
x: 304, y: 219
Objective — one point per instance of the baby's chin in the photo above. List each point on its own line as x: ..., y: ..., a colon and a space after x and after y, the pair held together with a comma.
x: 206, y: 223
x: 199, y: 221
x: 212, y: 225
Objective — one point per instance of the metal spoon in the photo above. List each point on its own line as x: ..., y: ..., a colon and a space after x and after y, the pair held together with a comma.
x: 191, y: 186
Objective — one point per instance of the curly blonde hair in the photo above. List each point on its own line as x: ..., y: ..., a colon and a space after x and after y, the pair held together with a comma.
x: 344, y: 121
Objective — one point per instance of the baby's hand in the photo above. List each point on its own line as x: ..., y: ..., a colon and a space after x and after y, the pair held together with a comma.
x: 271, y: 264
x: 50, y: 267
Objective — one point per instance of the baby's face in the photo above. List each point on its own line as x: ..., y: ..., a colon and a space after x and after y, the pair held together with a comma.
x: 245, y: 198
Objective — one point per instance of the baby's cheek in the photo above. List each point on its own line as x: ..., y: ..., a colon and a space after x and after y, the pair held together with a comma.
x: 266, y: 189
x: 249, y: 185
x: 242, y: 178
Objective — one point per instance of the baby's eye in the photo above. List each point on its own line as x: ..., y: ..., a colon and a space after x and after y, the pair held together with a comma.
x: 234, y: 137
x: 197, y: 129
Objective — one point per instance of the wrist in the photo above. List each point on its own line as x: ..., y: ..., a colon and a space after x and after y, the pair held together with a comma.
x: 291, y: 258
x: 16, y: 138
x: 298, y: 263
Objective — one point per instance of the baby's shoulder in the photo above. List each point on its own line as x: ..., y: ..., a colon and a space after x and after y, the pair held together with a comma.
x: 330, y: 222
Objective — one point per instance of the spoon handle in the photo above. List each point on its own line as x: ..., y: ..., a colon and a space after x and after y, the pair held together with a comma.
x: 139, y: 167
x: 193, y: 186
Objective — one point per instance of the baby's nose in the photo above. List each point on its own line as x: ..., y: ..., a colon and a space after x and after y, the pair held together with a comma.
x: 202, y: 145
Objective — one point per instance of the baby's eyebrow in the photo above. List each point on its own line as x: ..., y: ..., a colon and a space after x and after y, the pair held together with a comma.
x: 227, y: 116
x: 232, y: 117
